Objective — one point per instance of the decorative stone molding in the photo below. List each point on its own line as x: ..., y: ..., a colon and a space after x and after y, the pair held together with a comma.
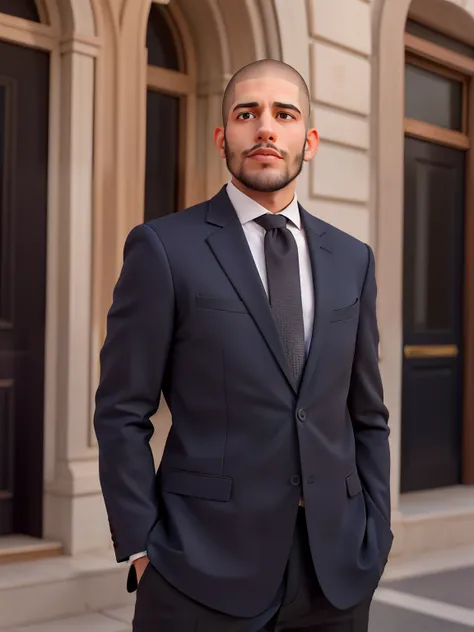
x: 68, y: 454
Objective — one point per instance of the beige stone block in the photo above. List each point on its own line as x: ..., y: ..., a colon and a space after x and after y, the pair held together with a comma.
x: 29, y: 604
x: 351, y: 218
x: 42, y: 590
x: 436, y: 533
x: 341, y: 127
x: 294, y: 33
x: 68, y: 520
x: 344, y: 22
x: 90, y: 527
x: 340, y: 78
x: 107, y: 590
x: 341, y: 173
x: 430, y: 563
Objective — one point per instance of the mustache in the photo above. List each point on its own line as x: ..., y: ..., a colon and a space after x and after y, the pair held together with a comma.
x: 263, y: 146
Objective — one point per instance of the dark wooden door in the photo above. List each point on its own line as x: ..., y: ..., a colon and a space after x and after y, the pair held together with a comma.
x: 24, y: 88
x: 432, y: 318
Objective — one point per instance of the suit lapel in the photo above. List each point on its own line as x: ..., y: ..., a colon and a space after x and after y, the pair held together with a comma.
x: 231, y: 250
x: 320, y: 254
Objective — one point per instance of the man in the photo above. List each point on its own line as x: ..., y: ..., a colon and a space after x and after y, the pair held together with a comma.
x: 271, y: 507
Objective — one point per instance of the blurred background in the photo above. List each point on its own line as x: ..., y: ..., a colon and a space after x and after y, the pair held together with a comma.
x: 107, y: 109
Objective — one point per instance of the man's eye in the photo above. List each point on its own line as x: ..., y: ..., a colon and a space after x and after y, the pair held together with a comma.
x: 285, y: 115
x: 245, y: 115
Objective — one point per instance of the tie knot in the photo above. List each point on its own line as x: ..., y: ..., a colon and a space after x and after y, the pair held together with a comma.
x: 270, y: 221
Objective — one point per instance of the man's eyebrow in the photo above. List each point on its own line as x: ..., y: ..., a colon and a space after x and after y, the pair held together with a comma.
x: 286, y: 106
x: 240, y: 106
x: 276, y: 104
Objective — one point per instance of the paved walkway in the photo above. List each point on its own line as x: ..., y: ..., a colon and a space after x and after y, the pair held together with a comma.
x: 418, y: 597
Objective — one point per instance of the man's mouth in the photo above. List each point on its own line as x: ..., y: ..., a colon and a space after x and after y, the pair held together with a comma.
x: 265, y: 153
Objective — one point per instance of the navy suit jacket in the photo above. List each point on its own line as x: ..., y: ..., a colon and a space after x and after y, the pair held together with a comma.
x: 190, y: 318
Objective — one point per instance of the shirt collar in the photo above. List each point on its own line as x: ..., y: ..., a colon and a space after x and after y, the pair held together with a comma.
x: 247, y: 209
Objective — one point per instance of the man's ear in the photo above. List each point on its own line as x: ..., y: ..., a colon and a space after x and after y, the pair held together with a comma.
x: 311, y: 145
x: 219, y: 141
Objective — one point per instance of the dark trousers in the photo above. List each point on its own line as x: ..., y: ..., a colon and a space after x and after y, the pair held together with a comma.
x: 299, y: 605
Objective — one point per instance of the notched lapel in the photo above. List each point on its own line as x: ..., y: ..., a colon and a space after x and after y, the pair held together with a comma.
x: 320, y: 251
x: 230, y: 247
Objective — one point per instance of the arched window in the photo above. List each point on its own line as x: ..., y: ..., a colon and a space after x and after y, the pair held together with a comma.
x: 170, y: 89
x: 160, y: 40
x: 25, y: 9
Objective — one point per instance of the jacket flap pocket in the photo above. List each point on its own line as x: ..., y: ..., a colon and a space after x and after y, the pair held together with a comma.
x: 221, y: 304
x: 353, y: 484
x: 345, y: 312
x: 206, y: 486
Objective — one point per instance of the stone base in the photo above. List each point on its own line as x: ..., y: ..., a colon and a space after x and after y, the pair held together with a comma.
x: 43, y: 590
x: 432, y: 521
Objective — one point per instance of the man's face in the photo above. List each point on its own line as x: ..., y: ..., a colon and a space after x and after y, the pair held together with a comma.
x: 265, y: 141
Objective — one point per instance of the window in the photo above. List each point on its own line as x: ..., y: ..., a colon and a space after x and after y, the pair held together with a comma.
x: 433, y: 98
x: 423, y: 32
x: 168, y: 103
x: 160, y: 40
x: 25, y: 9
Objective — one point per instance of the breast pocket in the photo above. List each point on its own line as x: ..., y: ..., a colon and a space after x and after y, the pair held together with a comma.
x: 221, y: 304
x: 345, y: 313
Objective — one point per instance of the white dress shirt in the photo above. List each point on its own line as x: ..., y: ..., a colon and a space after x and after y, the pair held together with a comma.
x: 248, y: 210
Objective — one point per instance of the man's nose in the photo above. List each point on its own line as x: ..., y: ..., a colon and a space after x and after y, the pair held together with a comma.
x: 266, y: 132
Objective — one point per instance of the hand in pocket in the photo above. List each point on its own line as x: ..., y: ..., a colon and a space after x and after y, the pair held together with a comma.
x: 140, y: 567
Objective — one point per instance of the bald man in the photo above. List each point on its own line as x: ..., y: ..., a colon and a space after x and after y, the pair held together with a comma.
x: 270, y: 509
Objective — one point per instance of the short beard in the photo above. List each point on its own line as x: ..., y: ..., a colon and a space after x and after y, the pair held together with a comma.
x: 255, y: 182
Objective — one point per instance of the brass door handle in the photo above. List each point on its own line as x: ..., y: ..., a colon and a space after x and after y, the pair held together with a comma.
x: 430, y: 351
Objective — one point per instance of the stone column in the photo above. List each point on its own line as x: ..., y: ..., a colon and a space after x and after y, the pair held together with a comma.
x: 72, y: 491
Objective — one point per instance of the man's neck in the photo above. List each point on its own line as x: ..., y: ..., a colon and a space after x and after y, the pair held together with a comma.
x: 273, y: 202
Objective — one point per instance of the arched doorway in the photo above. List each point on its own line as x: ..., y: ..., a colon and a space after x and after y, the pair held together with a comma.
x: 437, y: 145
x: 424, y: 225
x: 24, y: 114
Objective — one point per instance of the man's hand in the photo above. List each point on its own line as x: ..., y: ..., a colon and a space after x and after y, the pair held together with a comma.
x: 140, y: 566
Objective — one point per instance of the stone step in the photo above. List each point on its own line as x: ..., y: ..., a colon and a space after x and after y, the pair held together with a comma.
x: 434, y: 520
x: 62, y: 586
x: 21, y: 548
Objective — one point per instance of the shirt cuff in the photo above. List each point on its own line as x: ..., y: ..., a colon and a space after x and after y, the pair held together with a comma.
x: 137, y: 556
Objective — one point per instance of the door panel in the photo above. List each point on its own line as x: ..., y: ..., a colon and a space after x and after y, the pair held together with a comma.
x: 433, y: 282
x: 24, y: 88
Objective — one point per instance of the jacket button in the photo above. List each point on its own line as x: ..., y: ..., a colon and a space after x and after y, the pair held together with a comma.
x: 301, y: 414
x: 295, y: 480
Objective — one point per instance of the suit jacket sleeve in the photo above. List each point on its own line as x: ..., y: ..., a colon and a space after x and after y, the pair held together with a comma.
x: 133, y: 361
x: 368, y: 412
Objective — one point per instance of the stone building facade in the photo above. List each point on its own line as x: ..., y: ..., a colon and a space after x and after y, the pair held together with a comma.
x: 123, y: 128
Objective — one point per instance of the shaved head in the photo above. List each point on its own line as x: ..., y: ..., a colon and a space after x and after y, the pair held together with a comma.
x: 266, y: 68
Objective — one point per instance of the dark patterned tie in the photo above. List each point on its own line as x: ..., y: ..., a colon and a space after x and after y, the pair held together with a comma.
x: 284, y: 289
